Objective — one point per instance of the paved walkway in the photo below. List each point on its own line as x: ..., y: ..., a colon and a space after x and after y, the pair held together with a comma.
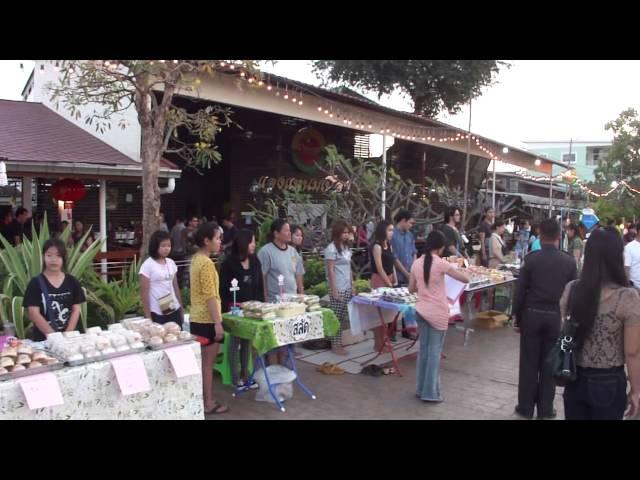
x: 478, y: 382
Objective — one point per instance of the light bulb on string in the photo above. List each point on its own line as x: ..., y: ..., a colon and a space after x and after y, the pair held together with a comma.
x: 175, y: 61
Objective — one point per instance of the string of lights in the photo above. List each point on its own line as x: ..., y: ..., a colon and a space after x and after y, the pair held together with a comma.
x: 299, y: 95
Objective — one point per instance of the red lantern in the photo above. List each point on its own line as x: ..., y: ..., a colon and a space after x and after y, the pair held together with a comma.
x: 68, y: 190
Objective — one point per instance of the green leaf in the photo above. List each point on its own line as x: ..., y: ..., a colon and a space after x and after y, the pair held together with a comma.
x: 17, y: 313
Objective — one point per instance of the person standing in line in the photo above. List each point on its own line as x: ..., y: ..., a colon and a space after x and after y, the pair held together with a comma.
x: 432, y: 308
x: 608, y: 334
x: 161, y: 298
x: 536, y: 309
x: 5, y: 221
x: 404, y: 249
x: 632, y: 261
x: 337, y: 258
x: 206, y: 313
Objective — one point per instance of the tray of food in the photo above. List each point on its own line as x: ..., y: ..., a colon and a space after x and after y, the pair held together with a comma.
x: 156, y: 336
x: 259, y: 310
x: 21, y: 360
x: 96, y: 345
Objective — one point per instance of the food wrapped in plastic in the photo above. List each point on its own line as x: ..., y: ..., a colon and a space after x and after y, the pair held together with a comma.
x: 157, y: 330
x: 3, y: 371
x: 155, y: 341
x: 118, y: 341
x: 71, y: 334
x: 6, y: 362
x: 170, y: 337
x: 172, y: 327
x: 9, y: 352
x: 23, y: 359
x: 17, y: 368
x: 25, y: 350
x: 34, y: 364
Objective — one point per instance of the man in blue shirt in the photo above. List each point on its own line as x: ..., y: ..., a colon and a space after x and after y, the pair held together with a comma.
x: 403, y: 244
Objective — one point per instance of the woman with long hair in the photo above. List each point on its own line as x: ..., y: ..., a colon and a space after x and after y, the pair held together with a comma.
x: 427, y: 279
x: 607, y: 313
x: 455, y: 244
x: 243, y: 265
x: 383, y: 272
x: 337, y: 258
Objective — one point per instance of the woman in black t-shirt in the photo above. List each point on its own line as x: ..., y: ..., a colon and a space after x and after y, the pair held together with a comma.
x: 53, y: 298
x: 243, y: 265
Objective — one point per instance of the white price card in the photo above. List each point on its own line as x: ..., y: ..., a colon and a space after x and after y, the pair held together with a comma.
x: 41, y: 390
x: 131, y: 374
x: 183, y: 361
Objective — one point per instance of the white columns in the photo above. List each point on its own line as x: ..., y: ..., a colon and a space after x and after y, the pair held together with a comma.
x: 103, y: 223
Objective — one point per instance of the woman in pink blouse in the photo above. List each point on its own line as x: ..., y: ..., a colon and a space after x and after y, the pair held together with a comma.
x: 432, y: 308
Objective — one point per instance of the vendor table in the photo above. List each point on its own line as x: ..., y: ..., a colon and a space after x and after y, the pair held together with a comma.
x: 91, y: 392
x: 468, y: 313
x: 366, y: 313
x: 267, y: 335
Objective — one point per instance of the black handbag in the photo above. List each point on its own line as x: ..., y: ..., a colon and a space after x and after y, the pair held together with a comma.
x: 562, y: 357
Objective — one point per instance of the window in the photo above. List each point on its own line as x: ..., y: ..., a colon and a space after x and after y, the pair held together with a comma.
x: 513, y: 185
x: 361, y: 146
x: 596, y: 156
x: 569, y: 158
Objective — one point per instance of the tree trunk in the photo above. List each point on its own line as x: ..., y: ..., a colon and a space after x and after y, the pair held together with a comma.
x: 151, y: 154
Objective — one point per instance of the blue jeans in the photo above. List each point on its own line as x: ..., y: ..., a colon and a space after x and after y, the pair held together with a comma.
x: 428, y: 368
x: 596, y: 394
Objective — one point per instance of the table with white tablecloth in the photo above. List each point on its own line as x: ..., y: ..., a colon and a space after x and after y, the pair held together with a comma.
x: 91, y: 392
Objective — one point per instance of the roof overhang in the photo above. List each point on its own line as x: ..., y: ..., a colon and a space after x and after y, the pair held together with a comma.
x: 83, y: 170
x: 231, y: 90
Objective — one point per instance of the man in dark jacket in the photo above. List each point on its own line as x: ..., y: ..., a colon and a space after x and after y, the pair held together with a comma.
x: 537, y: 311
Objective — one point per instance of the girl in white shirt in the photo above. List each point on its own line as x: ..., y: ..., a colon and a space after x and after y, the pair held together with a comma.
x: 159, y: 282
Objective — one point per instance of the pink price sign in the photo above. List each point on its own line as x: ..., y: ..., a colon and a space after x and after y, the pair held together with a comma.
x: 131, y: 374
x: 41, y: 390
x: 183, y: 361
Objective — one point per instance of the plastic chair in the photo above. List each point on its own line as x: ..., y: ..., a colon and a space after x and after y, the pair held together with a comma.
x: 223, y: 364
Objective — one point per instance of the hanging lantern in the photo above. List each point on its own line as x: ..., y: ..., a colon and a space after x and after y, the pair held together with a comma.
x: 68, y: 191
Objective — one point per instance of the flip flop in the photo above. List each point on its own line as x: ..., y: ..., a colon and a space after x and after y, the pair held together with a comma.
x: 372, y: 370
x: 388, y: 371
x: 217, y: 409
x: 330, y: 369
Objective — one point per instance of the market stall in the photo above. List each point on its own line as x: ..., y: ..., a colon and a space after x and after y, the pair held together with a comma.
x: 270, y: 326
x: 102, y: 375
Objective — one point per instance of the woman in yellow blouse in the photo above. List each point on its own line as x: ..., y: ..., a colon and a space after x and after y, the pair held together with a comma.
x: 206, y: 314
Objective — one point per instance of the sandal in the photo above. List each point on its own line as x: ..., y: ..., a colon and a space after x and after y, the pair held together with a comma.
x: 330, y: 369
x: 372, y: 370
x: 218, y: 408
x: 388, y: 371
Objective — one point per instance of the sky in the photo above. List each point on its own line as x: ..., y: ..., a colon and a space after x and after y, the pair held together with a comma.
x: 534, y: 100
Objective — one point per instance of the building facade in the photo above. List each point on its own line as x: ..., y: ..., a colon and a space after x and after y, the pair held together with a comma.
x: 583, y: 156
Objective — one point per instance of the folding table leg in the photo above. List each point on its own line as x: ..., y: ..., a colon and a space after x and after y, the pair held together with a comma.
x: 292, y: 364
x: 386, y: 344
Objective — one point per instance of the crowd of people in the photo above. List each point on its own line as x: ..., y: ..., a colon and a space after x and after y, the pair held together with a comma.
x: 562, y: 276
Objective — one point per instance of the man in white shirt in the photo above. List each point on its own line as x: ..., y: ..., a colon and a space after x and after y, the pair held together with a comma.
x: 632, y: 261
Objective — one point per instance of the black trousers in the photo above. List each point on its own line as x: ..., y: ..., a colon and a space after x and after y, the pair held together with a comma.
x: 597, y: 394
x: 539, y: 330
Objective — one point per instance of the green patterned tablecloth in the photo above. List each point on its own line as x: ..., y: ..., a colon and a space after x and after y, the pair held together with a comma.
x: 261, y: 333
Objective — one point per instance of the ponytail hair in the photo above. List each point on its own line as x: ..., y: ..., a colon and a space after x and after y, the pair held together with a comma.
x: 435, y: 241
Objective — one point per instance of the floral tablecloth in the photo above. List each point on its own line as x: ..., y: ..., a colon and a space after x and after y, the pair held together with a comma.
x: 264, y: 335
x: 91, y: 392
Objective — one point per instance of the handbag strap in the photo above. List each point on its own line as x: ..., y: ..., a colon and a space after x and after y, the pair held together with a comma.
x: 45, y: 291
x: 570, y: 326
